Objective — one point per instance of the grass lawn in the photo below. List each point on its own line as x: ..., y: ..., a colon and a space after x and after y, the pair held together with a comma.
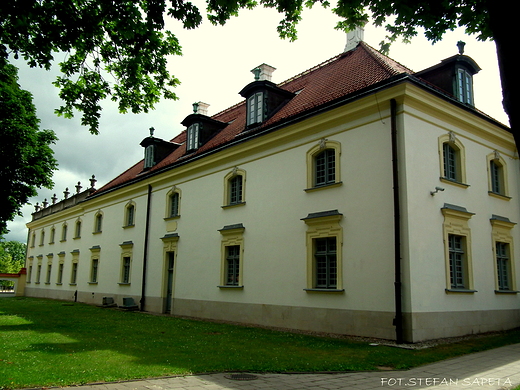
x: 55, y: 343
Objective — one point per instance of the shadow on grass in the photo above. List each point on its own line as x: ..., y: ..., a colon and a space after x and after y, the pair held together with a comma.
x: 47, y: 342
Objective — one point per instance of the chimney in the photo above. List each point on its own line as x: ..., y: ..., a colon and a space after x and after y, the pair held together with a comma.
x: 263, y: 72
x: 354, y: 37
x: 200, y: 108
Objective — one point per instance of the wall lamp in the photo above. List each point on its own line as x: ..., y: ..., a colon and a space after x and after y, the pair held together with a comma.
x: 437, y: 189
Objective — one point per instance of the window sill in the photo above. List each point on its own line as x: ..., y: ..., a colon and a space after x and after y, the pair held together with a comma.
x: 506, y: 292
x: 325, y: 290
x: 460, y: 291
x: 325, y: 186
x: 128, y: 226
x: 454, y: 182
x: 59, y: 284
x: 499, y: 196
x: 73, y: 284
x: 228, y: 206
x: 231, y: 287
x: 76, y: 238
x: 47, y: 283
x: 124, y: 284
x: 172, y: 217
x: 92, y: 282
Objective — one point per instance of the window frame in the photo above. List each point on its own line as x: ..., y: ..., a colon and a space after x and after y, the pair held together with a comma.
x: 452, y: 141
x: 229, y: 180
x: 129, y: 214
x: 98, y: 222
x: 232, y: 236
x: 464, y: 86
x: 311, y: 158
x: 497, y: 176
x: 171, y: 211
x: 126, y: 252
x: 193, y: 137
x: 95, y: 252
x: 501, y: 228
x: 324, y: 225
x: 456, y: 224
x: 256, y: 108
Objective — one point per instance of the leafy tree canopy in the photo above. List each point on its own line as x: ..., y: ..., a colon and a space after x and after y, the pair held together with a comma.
x: 126, y: 39
x: 12, y: 256
x: 26, y: 159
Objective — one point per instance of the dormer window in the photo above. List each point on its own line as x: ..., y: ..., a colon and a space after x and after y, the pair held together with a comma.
x: 255, y: 108
x: 464, y: 86
x: 149, y: 156
x: 200, y: 128
x: 192, y: 137
x: 263, y: 97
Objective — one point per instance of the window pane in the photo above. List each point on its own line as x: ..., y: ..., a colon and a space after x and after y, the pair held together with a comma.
x: 326, y: 263
x: 233, y: 265
x: 502, y: 255
x: 235, y: 190
x: 325, y: 167
x: 457, y: 261
x: 450, y: 162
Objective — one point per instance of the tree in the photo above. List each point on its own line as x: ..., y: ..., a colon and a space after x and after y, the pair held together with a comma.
x: 126, y: 39
x: 26, y: 158
x: 12, y: 256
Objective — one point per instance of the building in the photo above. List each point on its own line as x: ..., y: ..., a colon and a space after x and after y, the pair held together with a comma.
x: 356, y: 198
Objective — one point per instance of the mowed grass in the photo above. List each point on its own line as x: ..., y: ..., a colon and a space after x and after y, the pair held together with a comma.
x: 53, y: 343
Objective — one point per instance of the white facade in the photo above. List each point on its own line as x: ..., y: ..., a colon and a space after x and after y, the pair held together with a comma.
x: 281, y: 215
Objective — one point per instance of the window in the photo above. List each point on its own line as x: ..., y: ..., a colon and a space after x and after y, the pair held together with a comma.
x: 42, y: 237
x: 457, y: 241
x: 325, y: 262
x: 464, y: 86
x: 324, y: 242
x: 129, y: 215
x: 323, y: 169
x: 232, y: 256
x: 497, y: 176
x: 149, y: 156
x: 49, y: 269
x: 503, y: 254
x: 192, y: 137
x: 94, y: 270
x: 452, y: 163
x: 52, y: 235
x: 38, y: 273
x: 232, y: 265
x: 457, y: 256
x: 64, y: 232
x: 503, y: 267
x: 234, y: 187
x: 255, y: 108
x: 74, y: 273
x: 125, y: 271
x: 126, y: 262
x: 98, y: 222
x: 77, y: 232
x: 60, y: 273
x: 173, y: 198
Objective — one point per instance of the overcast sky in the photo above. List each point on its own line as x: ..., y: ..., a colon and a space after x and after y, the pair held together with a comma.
x: 215, y: 66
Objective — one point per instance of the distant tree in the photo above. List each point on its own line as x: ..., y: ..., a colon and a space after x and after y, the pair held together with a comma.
x: 26, y: 159
x: 12, y: 256
x: 126, y: 39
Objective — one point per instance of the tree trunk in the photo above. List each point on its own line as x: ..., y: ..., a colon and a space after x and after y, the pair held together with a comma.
x: 502, y: 22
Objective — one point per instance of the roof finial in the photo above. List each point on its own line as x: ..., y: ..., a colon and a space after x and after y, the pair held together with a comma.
x: 461, y: 45
x: 151, y: 131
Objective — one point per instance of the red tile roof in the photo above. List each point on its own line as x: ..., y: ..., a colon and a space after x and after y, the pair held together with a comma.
x: 338, y: 77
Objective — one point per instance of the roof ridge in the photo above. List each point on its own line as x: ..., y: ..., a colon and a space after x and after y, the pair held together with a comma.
x: 314, y: 68
x: 383, y: 59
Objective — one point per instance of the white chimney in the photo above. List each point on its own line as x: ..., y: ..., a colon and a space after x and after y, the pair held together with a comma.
x: 263, y: 72
x: 200, y: 108
x: 354, y: 37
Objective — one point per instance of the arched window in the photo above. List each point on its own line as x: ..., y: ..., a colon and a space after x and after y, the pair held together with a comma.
x: 453, y: 160
x: 77, y: 231
x: 98, y: 222
x: 234, y: 187
x: 323, y: 164
x: 129, y: 214
x: 497, y: 175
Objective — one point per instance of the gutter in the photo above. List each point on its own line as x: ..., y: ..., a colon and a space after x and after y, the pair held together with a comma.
x: 145, y: 254
x: 398, y: 319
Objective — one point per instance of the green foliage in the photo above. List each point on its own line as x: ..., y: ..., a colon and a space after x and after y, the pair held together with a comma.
x: 12, y: 256
x: 26, y: 159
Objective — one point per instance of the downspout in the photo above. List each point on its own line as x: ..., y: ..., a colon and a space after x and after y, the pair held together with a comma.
x: 398, y: 320
x: 145, y: 254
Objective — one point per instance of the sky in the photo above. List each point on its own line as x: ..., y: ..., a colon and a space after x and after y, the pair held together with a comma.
x: 214, y: 67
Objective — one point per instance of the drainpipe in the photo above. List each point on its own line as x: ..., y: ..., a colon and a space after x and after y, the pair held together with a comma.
x: 398, y: 320
x: 145, y: 255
